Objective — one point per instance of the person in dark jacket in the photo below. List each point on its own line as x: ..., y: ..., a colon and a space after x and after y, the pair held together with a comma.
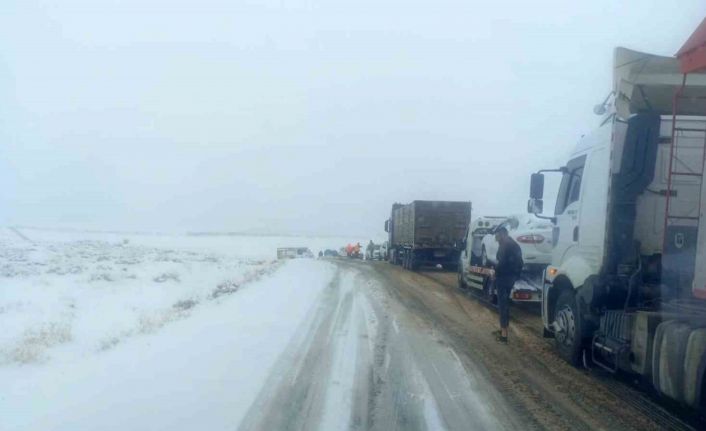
x: 507, y: 272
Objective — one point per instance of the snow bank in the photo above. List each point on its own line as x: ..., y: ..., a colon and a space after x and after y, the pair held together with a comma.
x: 104, y: 333
x: 63, y: 299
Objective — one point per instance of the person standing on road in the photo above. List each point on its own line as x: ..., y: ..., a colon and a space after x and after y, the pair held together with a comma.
x: 369, y: 250
x: 507, y: 272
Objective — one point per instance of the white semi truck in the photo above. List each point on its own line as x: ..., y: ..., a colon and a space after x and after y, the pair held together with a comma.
x: 626, y: 288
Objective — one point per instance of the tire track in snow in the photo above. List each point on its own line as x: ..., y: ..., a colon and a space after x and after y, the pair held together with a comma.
x: 294, y: 396
x: 365, y: 361
x: 21, y: 235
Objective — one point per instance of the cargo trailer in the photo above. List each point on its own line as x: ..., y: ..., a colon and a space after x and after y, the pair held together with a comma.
x: 427, y: 233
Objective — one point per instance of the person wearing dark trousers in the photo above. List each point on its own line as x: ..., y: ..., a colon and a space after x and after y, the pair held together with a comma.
x: 507, y: 272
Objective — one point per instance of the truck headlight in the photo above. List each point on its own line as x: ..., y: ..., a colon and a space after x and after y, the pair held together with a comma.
x: 551, y: 273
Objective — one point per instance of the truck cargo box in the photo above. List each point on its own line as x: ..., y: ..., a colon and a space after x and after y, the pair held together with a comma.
x: 430, y: 224
x: 427, y: 232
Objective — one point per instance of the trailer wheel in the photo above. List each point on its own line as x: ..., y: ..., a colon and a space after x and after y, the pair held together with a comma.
x: 567, y: 328
x: 413, y: 265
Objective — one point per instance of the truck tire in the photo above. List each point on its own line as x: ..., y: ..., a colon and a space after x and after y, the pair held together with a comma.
x: 567, y: 328
x: 668, y: 359
x: 461, y: 280
x: 413, y: 265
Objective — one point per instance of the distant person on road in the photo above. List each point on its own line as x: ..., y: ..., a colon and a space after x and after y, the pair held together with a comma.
x: 507, y: 272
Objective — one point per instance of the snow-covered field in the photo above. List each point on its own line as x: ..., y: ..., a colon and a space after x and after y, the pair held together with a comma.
x: 95, y: 322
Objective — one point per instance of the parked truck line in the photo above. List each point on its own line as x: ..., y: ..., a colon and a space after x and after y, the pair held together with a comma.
x: 625, y: 288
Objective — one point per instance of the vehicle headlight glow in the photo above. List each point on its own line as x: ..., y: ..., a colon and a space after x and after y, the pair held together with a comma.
x: 551, y: 273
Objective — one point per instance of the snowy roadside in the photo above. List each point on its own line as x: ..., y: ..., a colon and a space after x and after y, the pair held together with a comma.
x: 96, y: 348
x: 65, y: 299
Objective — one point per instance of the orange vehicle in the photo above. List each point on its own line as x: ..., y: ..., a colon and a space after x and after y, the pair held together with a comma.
x: 354, y: 251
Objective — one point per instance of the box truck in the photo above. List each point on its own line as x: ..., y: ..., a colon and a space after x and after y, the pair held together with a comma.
x: 427, y: 233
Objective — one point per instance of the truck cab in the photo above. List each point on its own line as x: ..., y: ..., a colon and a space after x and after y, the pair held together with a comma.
x: 618, y: 291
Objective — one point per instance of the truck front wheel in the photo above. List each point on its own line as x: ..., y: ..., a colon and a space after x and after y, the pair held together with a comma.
x: 567, y: 328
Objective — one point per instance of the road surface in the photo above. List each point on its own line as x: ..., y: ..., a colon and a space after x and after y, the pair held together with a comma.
x: 389, y: 349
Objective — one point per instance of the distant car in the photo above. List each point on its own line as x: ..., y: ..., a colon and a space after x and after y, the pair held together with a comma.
x: 532, y: 234
x: 330, y: 253
x: 294, y: 253
x: 305, y: 253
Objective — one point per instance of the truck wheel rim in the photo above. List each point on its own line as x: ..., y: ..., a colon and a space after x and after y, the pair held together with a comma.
x: 565, y: 326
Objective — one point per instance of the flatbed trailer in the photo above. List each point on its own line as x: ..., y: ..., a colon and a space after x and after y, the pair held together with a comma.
x: 526, y: 289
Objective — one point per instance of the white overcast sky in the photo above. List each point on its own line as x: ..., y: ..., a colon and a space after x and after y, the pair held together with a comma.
x: 299, y: 116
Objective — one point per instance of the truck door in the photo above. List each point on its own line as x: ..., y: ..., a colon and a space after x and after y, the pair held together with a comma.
x: 566, y: 233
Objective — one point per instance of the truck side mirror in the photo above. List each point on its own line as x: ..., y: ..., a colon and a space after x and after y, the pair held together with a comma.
x: 387, y: 225
x: 537, y: 186
x: 535, y: 206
